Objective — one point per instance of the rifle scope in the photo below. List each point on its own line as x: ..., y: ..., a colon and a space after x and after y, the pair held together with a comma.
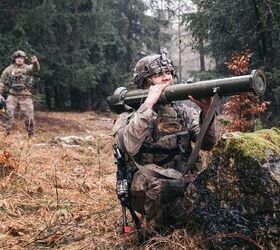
x: 255, y: 83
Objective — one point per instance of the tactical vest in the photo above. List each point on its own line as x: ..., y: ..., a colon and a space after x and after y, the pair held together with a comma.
x: 168, y: 144
x: 19, y: 79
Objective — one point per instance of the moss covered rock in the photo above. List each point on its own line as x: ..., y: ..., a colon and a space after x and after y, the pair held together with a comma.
x: 237, y: 197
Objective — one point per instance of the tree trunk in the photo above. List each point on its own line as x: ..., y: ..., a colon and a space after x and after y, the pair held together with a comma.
x: 48, y: 94
x: 75, y: 98
x: 59, y: 97
x: 262, y: 43
x: 201, y: 54
x: 270, y: 51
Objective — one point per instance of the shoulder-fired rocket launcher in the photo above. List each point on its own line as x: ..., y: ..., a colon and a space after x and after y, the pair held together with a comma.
x: 255, y: 83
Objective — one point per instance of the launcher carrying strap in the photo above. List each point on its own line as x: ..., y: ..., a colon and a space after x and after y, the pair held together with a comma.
x: 205, y: 124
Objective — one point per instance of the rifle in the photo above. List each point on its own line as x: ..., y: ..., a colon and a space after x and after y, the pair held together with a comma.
x: 123, y: 193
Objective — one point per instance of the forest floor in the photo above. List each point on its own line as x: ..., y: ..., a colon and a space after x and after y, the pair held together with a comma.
x: 57, y: 190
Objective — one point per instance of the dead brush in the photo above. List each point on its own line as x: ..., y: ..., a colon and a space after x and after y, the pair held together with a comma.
x: 7, y: 164
x: 64, y: 197
x: 177, y: 239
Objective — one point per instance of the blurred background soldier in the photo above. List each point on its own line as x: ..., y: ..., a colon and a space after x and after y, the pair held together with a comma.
x: 16, y: 81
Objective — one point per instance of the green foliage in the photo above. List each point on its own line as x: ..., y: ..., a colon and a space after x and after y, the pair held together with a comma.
x: 86, y: 48
x: 230, y: 26
x: 255, y: 144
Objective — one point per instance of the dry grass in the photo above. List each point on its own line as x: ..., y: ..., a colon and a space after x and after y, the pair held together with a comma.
x: 7, y: 165
x: 56, y: 196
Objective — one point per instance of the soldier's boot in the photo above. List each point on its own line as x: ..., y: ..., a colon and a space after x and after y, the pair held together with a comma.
x: 30, y: 133
x: 30, y: 136
x: 7, y: 127
x: 29, y: 124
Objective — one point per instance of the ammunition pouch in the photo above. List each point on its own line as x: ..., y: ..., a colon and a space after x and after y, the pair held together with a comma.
x: 170, y: 127
x: 18, y: 87
x: 157, y: 153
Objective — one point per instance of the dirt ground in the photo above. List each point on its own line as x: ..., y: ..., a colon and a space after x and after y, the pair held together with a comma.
x: 59, y: 194
x: 57, y: 190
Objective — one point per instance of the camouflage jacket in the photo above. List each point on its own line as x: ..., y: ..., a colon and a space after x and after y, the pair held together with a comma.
x: 18, y: 80
x: 161, y: 136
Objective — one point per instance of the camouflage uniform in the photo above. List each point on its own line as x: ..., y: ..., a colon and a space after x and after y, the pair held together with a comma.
x: 161, y: 136
x: 17, y: 82
x: 143, y: 134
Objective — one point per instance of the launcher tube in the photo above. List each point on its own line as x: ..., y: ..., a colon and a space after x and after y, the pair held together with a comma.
x: 255, y: 83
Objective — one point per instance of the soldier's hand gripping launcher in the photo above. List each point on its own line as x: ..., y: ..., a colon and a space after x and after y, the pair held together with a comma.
x: 255, y: 82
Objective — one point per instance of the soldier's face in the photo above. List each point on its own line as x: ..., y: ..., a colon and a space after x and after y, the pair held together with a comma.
x: 162, y: 78
x: 19, y: 60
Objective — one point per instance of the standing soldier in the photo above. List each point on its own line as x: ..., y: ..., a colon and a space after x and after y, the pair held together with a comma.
x: 16, y: 80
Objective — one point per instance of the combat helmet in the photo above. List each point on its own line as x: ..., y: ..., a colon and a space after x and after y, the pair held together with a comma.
x: 150, y: 65
x: 18, y: 53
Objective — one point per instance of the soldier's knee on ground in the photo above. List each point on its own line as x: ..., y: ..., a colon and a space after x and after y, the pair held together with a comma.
x: 174, y: 214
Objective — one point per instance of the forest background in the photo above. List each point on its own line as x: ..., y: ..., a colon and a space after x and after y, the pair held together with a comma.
x: 87, y: 48
x: 58, y: 189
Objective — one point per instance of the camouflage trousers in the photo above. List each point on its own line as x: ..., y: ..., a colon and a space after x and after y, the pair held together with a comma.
x: 27, y: 111
x: 160, y: 195
x: 174, y: 214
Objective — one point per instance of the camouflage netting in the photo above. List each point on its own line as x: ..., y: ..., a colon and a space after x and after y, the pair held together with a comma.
x: 236, y: 199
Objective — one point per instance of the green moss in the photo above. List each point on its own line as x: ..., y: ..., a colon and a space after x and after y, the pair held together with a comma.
x: 253, y: 145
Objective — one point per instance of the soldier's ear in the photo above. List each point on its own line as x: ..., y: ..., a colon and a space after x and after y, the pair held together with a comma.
x: 148, y: 82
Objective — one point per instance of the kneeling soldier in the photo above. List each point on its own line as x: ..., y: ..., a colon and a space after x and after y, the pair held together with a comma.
x: 156, y: 142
